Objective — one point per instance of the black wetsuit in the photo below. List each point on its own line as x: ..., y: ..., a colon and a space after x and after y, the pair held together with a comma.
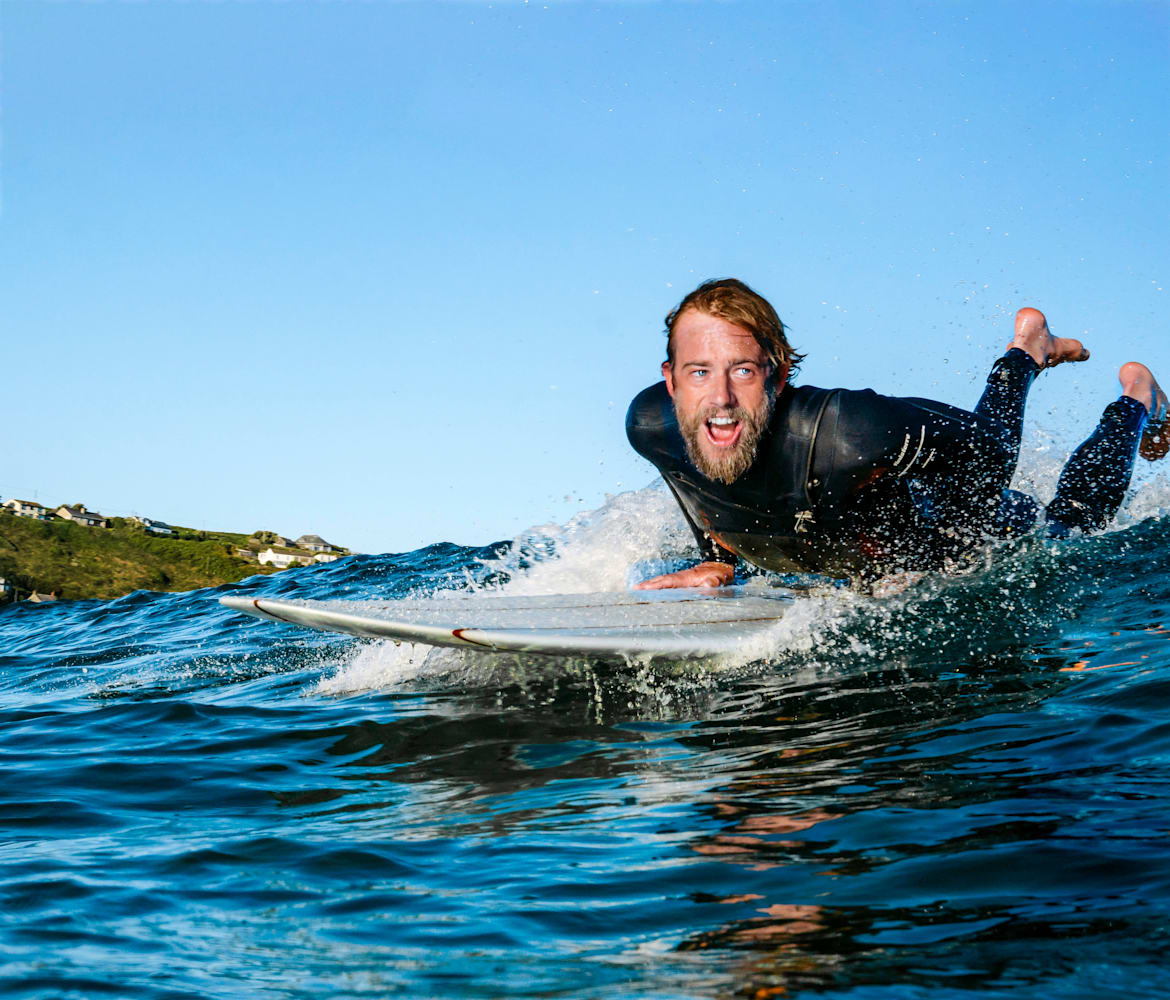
x: 852, y: 483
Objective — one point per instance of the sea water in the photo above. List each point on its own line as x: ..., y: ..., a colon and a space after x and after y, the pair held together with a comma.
x: 960, y: 790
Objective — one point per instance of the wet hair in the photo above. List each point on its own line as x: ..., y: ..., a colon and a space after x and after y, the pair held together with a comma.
x: 732, y: 300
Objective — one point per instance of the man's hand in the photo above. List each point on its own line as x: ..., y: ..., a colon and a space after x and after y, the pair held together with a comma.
x: 707, y: 574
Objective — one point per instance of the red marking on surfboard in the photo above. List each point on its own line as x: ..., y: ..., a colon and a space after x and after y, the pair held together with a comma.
x: 270, y: 614
x: 458, y: 633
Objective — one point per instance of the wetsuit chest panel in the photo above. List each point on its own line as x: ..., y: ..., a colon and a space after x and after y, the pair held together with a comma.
x: 773, y: 535
x: 765, y: 515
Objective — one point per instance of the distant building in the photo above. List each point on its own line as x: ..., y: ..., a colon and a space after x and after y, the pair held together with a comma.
x: 315, y: 543
x: 35, y: 598
x: 79, y: 515
x: 265, y: 537
x: 153, y: 526
x: 29, y: 508
x: 6, y: 589
x: 282, y: 560
x: 245, y: 554
x: 325, y: 557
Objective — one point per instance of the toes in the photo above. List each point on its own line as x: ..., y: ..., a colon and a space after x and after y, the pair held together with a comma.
x: 1155, y: 443
x: 1158, y: 414
x: 1063, y: 349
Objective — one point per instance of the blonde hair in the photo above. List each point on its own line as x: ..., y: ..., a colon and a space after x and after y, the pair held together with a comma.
x: 732, y: 300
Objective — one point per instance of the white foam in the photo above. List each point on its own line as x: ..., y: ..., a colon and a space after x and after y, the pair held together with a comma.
x: 1042, y: 456
x: 593, y: 552
x: 377, y: 665
x: 1148, y: 496
x: 805, y: 626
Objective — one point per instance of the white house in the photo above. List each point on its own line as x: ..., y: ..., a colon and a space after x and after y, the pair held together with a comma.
x: 325, y: 557
x: 79, y: 515
x: 282, y: 560
x: 29, y: 508
x: 153, y: 526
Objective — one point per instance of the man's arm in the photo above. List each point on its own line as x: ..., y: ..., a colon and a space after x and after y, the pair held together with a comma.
x: 706, y: 574
x: 716, y: 570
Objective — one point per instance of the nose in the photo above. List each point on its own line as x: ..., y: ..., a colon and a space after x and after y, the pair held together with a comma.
x: 722, y: 391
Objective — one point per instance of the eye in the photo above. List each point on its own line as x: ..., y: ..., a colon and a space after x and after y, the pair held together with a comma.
x: 698, y: 373
x: 745, y: 372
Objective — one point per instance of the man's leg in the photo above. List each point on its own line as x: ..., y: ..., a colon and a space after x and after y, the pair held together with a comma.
x: 1033, y: 347
x: 1095, y: 479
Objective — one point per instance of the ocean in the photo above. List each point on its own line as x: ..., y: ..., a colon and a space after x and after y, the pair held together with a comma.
x: 960, y: 790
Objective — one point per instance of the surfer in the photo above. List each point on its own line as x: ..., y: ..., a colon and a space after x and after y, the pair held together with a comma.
x: 851, y: 483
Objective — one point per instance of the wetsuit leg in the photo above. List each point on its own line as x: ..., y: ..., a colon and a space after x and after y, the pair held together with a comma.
x: 1007, y: 391
x: 1017, y: 514
x: 1095, y: 478
x: 1003, y: 401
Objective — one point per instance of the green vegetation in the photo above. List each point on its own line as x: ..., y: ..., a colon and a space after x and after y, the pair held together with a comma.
x: 74, y: 561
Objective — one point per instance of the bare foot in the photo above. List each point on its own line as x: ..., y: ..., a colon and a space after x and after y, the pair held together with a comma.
x: 1138, y: 382
x: 1033, y: 336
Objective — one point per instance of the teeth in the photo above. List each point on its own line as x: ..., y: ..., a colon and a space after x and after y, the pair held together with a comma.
x: 721, y: 421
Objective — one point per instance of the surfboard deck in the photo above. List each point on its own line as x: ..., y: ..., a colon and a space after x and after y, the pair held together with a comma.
x: 680, y: 624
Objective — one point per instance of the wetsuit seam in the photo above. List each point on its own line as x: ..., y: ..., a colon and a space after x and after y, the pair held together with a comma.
x: 812, y: 442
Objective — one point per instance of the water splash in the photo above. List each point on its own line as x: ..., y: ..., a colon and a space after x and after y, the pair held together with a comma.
x: 1029, y: 585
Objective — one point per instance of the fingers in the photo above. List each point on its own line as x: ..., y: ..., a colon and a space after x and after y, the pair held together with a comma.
x: 670, y: 581
x: 703, y: 575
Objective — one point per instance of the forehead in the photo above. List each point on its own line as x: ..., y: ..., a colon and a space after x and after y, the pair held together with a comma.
x: 699, y: 336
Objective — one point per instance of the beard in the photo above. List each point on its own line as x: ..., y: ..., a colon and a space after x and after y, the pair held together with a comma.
x: 728, y: 464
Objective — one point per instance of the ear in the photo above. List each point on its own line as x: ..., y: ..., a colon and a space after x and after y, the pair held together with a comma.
x: 780, y: 379
x: 668, y: 375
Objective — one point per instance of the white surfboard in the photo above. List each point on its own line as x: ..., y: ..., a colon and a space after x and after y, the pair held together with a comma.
x: 659, y: 623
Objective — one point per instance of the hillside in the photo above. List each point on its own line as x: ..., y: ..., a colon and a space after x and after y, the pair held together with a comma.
x: 75, y: 561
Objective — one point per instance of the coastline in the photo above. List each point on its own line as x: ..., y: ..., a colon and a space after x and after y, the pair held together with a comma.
x: 66, y: 561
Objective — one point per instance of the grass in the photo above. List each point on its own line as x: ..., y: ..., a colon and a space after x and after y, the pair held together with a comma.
x: 75, y: 562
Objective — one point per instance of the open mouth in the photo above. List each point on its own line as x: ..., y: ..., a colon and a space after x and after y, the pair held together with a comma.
x: 723, y: 432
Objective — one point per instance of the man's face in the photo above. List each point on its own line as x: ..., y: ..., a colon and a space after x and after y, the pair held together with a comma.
x: 719, y: 384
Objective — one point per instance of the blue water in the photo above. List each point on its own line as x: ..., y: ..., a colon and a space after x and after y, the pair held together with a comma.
x: 958, y: 791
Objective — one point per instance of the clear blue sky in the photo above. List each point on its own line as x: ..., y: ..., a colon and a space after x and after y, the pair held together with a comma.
x: 391, y: 272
